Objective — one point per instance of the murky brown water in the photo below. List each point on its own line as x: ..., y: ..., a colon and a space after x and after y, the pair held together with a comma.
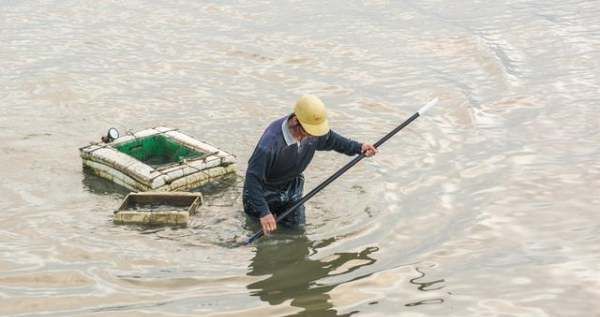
x: 488, y: 206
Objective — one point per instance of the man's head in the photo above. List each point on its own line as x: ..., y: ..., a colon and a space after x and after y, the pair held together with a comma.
x: 311, y: 115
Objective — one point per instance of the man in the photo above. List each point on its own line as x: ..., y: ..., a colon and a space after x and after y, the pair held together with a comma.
x: 274, y: 180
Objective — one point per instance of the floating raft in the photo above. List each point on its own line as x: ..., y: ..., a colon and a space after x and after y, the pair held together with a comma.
x: 158, y: 159
x: 158, y: 208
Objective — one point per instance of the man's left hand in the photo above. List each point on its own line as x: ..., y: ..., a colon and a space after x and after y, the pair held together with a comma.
x: 368, y: 150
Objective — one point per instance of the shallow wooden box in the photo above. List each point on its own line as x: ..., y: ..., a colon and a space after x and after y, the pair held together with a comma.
x: 158, y: 208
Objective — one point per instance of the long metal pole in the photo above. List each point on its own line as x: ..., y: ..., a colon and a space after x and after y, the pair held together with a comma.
x: 346, y: 167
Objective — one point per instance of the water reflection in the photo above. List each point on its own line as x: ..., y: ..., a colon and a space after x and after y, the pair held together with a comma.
x: 222, y: 192
x: 426, y: 286
x: 98, y: 185
x: 295, y: 276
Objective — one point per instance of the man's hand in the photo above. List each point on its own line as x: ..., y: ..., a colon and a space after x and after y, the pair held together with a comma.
x: 268, y: 223
x: 368, y: 150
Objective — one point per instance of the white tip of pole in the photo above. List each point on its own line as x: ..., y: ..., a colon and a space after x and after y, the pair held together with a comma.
x: 427, y: 106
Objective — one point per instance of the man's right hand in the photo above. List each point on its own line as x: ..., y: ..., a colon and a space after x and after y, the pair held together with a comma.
x: 268, y: 223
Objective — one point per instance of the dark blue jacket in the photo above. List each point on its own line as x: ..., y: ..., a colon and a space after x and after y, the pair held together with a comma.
x: 274, y: 164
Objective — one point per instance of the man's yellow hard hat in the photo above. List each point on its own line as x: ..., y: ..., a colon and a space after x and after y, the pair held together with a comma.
x: 311, y: 114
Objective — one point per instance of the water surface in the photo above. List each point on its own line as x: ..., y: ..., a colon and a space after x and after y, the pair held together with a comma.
x: 485, y: 207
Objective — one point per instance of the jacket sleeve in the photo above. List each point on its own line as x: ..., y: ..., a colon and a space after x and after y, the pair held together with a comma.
x: 338, y: 143
x: 255, y: 179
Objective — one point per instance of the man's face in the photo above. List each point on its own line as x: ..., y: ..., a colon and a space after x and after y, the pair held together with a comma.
x: 299, y: 132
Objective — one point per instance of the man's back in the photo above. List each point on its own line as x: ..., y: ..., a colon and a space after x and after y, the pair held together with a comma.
x: 281, y: 162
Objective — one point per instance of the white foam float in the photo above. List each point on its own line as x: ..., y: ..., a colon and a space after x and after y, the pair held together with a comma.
x: 157, y: 159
